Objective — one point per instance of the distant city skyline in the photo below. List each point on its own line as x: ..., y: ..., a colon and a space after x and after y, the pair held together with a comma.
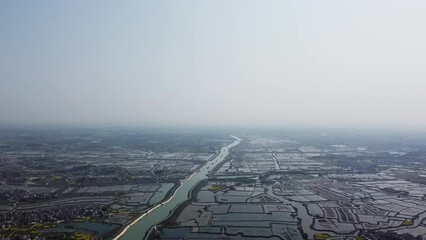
x: 214, y: 63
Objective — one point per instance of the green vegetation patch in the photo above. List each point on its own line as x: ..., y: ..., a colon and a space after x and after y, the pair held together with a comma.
x: 407, y: 222
x: 216, y: 188
x: 321, y: 236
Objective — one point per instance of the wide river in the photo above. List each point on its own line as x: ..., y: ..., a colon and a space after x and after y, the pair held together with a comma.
x: 140, y: 227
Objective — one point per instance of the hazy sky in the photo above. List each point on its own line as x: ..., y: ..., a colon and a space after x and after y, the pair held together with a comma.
x: 221, y: 62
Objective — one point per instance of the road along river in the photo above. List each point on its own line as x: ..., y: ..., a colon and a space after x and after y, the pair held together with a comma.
x: 140, y: 227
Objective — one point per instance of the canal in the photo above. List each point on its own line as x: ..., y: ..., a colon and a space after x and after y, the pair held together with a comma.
x: 139, y: 228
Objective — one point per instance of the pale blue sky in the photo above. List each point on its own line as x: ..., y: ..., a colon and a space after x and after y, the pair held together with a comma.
x: 222, y: 62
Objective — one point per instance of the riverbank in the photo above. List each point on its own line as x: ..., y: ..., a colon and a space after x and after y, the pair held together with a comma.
x: 171, y: 219
x: 138, y: 218
x: 177, y: 183
x: 169, y: 193
x: 192, y: 197
x: 139, y: 228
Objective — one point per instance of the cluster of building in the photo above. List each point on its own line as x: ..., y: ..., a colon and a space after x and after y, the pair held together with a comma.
x: 19, y: 195
x: 27, y: 219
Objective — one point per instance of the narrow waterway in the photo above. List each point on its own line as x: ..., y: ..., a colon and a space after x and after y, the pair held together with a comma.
x: 139, y: 228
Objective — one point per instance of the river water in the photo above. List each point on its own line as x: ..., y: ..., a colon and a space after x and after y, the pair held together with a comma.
x: 139, y: 228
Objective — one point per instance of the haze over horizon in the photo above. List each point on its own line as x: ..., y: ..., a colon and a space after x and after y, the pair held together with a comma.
x: 218, y: 63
